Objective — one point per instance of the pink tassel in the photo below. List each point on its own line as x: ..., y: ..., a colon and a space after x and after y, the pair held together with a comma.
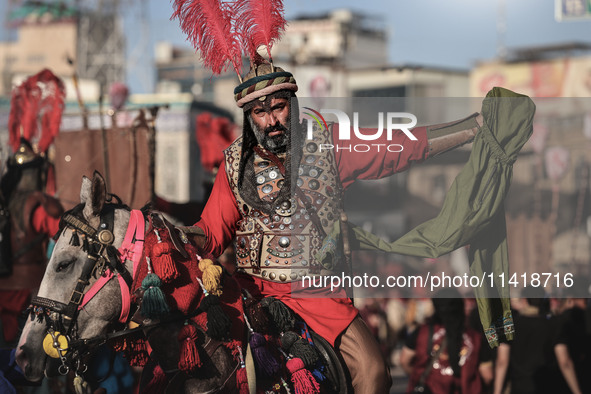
x: 164, y: 265
x: 303, y: 381
x: 189, y: 359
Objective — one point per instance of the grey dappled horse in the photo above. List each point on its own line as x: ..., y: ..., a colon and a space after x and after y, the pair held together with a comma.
x: 60, y: 293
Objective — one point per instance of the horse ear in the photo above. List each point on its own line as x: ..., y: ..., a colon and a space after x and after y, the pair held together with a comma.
x: 93, y: 195
x: 85, y: 190
x: 99, y: 193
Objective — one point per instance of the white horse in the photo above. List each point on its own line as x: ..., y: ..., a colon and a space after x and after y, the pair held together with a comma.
x: 61, y: 318
x: 87, y: 298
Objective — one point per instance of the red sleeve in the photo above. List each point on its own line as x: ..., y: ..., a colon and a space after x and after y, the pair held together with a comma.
x: 383, y: 157
x: 220, y: 215
x: 43, y: 223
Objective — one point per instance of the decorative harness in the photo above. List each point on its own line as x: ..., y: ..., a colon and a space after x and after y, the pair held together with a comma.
x: 102, y: 259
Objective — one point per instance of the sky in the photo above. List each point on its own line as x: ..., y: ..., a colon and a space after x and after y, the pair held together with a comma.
x: 450, y: 33
x: 444, y: 33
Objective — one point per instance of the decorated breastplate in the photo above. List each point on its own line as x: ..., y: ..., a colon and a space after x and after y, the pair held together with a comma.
x: 281, y: 247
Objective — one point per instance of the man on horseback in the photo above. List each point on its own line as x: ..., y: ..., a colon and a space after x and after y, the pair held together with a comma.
x: 278, y: 193
x: 34, y: 217
x: 253, y: 202
x: 31, y: 213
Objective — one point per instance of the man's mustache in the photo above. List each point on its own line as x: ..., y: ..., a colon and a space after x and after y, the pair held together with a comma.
x: 277, y: 127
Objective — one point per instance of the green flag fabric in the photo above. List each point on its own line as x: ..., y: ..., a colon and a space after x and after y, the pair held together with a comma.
x: 473, y: 212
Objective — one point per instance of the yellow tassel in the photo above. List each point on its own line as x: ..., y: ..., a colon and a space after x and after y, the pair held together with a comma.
x: 211, y: 276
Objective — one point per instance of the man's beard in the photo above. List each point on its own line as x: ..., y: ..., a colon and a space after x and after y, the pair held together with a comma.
x: 276, y: 144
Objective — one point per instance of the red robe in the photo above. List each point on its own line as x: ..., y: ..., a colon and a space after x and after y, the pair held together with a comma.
x: 328, y: 316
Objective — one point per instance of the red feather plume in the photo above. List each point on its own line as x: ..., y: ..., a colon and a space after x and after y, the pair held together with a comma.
x: 43, y: 95
x: 208, y: 24
x: 261, y: 23
x: 51, y: 108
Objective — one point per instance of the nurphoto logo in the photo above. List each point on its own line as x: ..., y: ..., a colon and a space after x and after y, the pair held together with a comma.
x: 343, y: 141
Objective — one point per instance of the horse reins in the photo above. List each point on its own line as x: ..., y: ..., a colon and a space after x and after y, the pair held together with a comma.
x: 101, y: 257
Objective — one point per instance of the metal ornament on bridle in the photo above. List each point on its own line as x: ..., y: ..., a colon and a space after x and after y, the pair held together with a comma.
x: 60, y: 317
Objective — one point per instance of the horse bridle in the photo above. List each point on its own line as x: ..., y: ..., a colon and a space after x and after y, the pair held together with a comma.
x: 102, y: 255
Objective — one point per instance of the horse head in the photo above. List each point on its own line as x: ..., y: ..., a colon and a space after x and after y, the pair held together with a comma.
x: 103, y: 258
x: 84, y: 254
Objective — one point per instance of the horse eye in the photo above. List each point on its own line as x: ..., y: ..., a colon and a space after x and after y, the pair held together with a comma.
x: 64, y: 264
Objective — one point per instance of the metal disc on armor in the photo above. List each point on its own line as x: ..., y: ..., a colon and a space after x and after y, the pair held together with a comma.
x: 284, y: 242
x: 260, y: 179
x: 311, y: 147
x: 314, y: 184
x: 273, y: 174
x: 286, y: 208
x: 267, y: 189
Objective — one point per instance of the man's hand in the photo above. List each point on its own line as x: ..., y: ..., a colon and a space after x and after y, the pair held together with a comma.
x: 448, y: 136
x: 194, y: 233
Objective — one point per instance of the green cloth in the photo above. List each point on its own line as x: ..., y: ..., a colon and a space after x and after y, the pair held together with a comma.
x: 473, y: 212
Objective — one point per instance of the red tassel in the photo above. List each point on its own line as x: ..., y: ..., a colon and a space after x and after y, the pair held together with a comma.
x: 242, y: 380
x: 189, y: 359
x: 302, y: 379
x: 158, y: 383
x: 138, y: 353
x: 163, y: 263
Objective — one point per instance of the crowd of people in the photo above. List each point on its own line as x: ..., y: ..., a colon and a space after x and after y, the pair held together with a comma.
x: 444, y: 350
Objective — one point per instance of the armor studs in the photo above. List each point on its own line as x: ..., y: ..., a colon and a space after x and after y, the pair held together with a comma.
x: 272, y: 275
x: 283, y: 277
x: 284, y: 242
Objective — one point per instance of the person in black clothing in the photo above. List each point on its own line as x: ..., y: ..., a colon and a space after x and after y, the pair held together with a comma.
x: 527, y: 361
x: 572, y: 345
